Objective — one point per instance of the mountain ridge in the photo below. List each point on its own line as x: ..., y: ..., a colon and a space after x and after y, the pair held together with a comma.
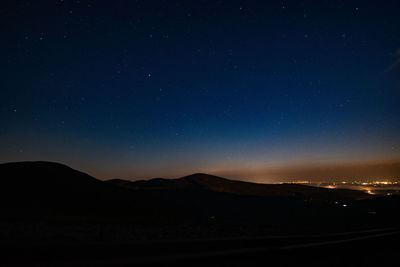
x: 39, y: 178
x: 212, y: 183
x: 42, y: 187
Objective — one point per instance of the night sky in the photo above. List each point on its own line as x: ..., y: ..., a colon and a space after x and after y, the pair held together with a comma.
x: 257, y: 90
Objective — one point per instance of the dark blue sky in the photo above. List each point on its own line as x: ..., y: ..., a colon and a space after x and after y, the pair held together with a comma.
x: 166, y: 88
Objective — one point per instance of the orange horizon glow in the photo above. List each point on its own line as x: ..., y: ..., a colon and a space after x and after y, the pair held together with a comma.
x: 385, y: 170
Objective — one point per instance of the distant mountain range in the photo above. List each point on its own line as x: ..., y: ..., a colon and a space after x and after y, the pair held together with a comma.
x: 53, y: 203
x: 47, y: 189
x: 211, y: 183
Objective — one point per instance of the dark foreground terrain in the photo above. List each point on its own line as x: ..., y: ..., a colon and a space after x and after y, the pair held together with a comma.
x: 362, y: 248
x: 54, y: 215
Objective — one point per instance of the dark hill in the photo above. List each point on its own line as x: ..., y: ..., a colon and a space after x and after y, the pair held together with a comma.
x: 47, y: 187
x: 42, y: 199
x: 36, y: 176
x: 211, y: 183
x: 51, y: 189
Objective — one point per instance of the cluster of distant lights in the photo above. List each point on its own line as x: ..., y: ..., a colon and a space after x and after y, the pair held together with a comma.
x: 333, y: 185
x: 369, y: 183
x: 373, y: 183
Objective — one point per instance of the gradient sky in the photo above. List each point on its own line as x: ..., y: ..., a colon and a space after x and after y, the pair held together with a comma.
x: 250, y: 89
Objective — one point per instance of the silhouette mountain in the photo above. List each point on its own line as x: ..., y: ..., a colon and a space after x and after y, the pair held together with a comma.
x: 33, y: 175
x: 59, y: 201
x: 43, y: 189
x: 211, y: 183
x: 48, y: 187
x: 47, y: 205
